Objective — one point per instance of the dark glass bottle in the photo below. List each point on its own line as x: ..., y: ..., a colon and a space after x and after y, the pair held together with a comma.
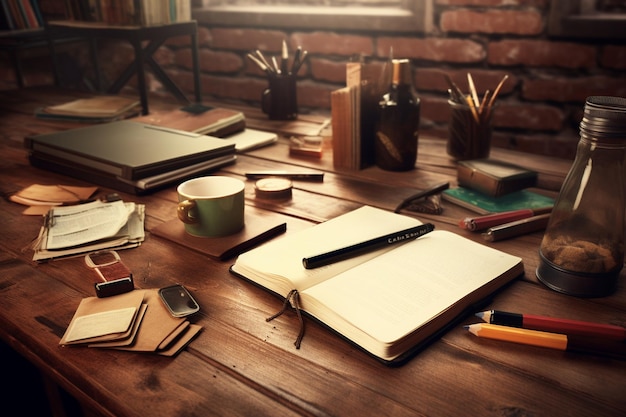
x: 397, y: 128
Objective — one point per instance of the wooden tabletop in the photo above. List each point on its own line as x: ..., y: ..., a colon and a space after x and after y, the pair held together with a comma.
x: 241, y: 365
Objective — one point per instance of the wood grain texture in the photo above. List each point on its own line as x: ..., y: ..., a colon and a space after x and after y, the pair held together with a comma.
x: 241, y: 365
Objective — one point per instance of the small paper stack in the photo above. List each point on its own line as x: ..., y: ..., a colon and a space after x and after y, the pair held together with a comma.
x: 89, y: 227
x: 136, y: 321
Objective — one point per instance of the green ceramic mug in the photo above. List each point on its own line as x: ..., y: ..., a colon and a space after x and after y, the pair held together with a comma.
x: 211, y: 206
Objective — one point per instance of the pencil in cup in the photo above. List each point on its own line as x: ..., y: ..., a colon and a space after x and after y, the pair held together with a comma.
x: 469, y: 132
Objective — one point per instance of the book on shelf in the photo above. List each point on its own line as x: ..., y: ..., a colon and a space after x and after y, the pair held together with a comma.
x: 129, y: 12
x: 390, y: 302
x: 79, y: 229
x: 484, y: 204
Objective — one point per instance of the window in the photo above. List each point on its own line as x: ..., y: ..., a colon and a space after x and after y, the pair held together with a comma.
x: 588, y: 18
x: 353, y: 15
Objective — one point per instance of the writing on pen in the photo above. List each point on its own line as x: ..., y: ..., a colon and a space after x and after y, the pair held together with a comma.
x: 367, y: 246
x: 553, y: 324
x: 424, y: 193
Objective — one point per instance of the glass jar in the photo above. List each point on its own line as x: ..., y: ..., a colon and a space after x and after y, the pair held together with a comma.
x: 398, y: 122
x: 582, y: 251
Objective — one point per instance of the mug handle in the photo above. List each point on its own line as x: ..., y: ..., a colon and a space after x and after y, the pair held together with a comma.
x: 266, y: 101
x: 184, y: 212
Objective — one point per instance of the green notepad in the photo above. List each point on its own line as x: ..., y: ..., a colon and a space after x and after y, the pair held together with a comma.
x: 483, y: 204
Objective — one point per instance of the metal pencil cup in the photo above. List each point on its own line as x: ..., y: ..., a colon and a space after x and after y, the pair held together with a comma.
x: 279, y: 100
x: 469, y: 133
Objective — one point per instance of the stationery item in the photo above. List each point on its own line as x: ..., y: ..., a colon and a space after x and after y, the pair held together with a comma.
x: 494, y: 178
x: 484, y: 204
x: 280, y: 99
x: 422, y: 194
x: 553, y: 324
x: 306, y: 146
x: 135, y: 321
x: 259, y: 227
x: 390, y: 302
x: 489, y: 220
x: 516, y: 228
x: 304, y: 176
x: 105, y: 108
x: 470, y: 120
x: 198, y: 118
x: 250, y: 139
x: 52, y: 195
x: 127, y: 155
x: 103, y: 319
x: 112, y: 276
x: 76, y: 230
x: 211, y: 206
x: 549, y: 340
x: 337, y: 255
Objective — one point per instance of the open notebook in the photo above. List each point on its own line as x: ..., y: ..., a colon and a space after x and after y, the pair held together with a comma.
x: 390, y: 302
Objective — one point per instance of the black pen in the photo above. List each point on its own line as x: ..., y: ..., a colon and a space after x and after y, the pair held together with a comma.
x: 310, y: 176
x: 367, y: 246
x: 424, y: 193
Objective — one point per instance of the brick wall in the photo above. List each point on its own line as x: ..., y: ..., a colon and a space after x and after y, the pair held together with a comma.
x: 539, y: 107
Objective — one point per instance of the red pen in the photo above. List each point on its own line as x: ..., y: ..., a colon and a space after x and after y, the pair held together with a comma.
x: 484, y: 222
x: 554, y: 325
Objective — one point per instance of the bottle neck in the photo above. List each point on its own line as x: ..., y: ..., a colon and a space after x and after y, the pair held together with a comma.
x: 401, y: 72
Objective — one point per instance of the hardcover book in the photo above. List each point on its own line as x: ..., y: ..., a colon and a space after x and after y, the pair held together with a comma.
x: 390, y: 302
x: 494, y: 178
x: 484, y: 204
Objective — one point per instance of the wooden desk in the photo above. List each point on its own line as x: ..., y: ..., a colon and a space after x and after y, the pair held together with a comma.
x: 242, y: 365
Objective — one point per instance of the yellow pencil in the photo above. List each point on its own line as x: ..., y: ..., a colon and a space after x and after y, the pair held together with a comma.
x: 517, y: 335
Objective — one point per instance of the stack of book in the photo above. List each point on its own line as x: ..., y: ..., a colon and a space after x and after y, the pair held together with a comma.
x: 353, y: 117
x: 99, y: 109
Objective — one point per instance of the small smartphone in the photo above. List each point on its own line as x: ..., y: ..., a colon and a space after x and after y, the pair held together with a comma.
x: 178, y: 301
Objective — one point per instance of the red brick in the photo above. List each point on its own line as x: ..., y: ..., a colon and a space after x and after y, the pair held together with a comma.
x: 327, y: 70
x: 212, y: 61
x: 433, y: 49
x: 492, y: 21
x: 530, y: 117
x: 613, y: 57
x: 314, y: 95
x: 330, y: 43
x: 575, y: 89
x: 431, y: 79
x: 247, y: 39
x: 540, y: 53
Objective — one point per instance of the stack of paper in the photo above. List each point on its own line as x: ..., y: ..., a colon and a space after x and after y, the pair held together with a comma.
x: 40, y: 198
x: 135, y: 321
x: 75, y: 230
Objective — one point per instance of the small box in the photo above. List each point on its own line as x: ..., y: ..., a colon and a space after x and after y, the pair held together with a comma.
x: 494, y: 178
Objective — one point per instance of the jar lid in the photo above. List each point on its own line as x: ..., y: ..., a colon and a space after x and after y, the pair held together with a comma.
x: 605, y: 116
x: 273, y: 187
